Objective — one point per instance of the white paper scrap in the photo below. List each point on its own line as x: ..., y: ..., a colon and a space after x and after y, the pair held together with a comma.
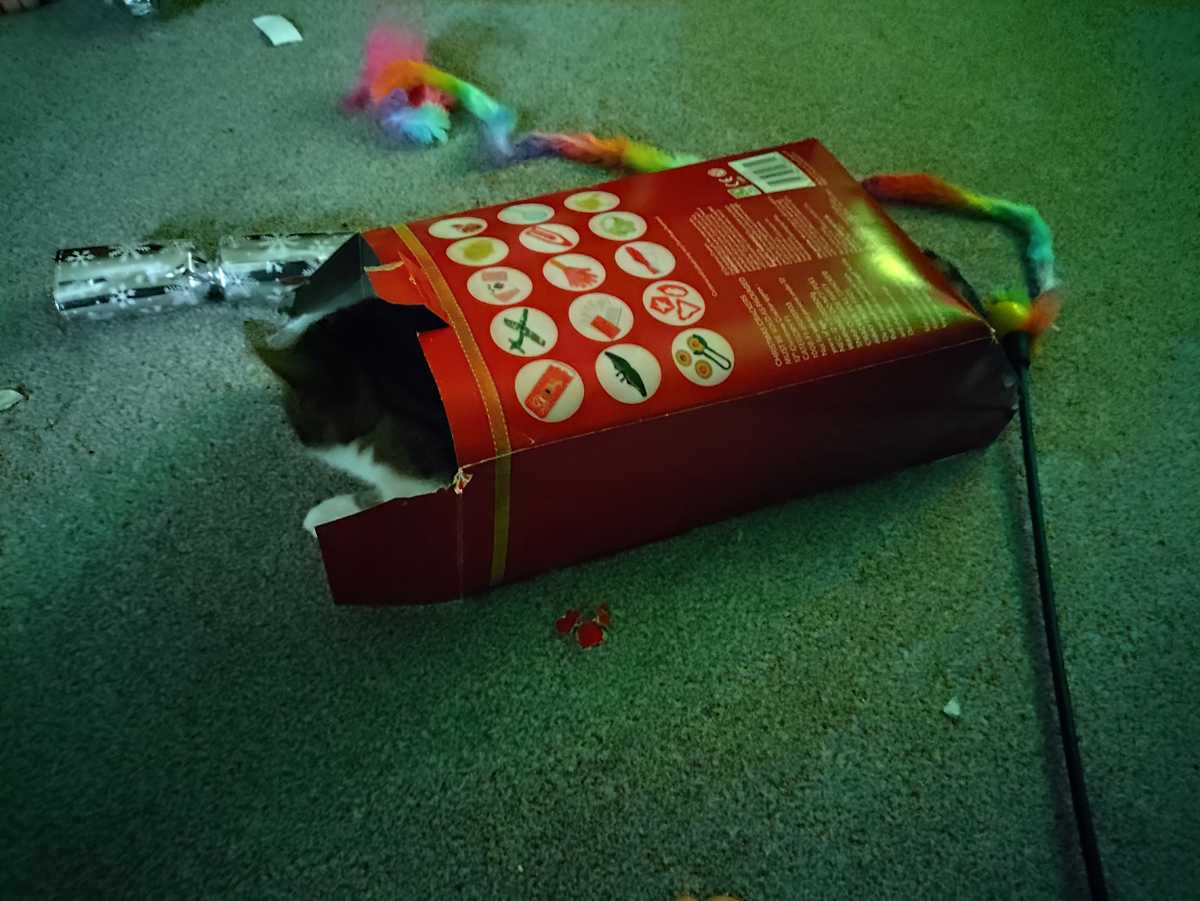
x: 278, y: 30
x: 10, y: 398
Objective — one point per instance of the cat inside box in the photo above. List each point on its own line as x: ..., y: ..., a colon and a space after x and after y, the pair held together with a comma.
x: 360, y: 396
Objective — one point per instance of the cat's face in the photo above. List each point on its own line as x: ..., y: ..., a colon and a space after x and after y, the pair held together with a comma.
x: 325, y: 417
x: 329, y: 401
x: 358, y: 376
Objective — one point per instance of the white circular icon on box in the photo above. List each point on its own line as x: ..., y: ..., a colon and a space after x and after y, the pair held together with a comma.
x: 592, y: 201
x: 526, y: 213
x: 500, y: 285
x: 601, y: 317
x: 645, y: 259
x: 524, y: 331
x: 618, y: 226
x: 628, y: 372
x: 673, y: 302
x: 457, y: 227
x: 549, y: 390
x: 703, y: 356
x: 574, y: 272
x: 549, y: 238
x: 477, y: 251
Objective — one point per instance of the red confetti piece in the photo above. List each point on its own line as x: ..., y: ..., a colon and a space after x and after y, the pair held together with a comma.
x: 589, y: 635
x: 603, y: 617
x: 566, y: 622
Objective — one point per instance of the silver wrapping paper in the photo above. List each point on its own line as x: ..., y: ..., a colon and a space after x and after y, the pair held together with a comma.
x: 103, y: 282
x: 137, y: 278
x: 269, y: 268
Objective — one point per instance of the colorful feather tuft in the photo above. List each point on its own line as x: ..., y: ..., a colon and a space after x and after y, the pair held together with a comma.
x: 426, y: 124
x: 385, y: 45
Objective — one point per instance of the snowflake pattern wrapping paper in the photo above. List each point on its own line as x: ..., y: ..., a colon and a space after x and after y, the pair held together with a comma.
x: 269, y: 268
x: 105, y: 281
x: 141, y: 277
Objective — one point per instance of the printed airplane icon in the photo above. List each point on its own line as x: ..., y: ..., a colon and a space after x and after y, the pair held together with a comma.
x: 523, y: 331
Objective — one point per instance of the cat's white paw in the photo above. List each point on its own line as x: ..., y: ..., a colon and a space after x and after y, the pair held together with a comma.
x: 329, y: 510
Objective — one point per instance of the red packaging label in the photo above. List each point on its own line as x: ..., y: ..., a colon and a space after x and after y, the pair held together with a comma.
x: 669, y: 291
x: 709, y: 339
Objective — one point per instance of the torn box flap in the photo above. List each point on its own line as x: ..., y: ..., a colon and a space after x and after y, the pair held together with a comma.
x: 374, y: 266
x: 353, y: 274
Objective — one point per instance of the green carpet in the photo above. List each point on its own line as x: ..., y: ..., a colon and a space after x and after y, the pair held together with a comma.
x: 186, y: 714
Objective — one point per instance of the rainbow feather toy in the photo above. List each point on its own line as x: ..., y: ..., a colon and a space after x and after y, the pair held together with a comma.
x: 412, y: 101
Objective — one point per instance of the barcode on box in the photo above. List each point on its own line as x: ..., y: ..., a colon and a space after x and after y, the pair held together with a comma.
x: 771, y: 172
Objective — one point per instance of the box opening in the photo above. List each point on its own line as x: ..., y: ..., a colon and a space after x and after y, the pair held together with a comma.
x: 360, y: 394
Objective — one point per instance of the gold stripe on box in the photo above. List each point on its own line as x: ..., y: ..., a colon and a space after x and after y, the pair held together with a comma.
x: 487, y: 389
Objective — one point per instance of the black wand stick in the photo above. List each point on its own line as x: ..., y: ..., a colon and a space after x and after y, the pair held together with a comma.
x: 1017, y: 344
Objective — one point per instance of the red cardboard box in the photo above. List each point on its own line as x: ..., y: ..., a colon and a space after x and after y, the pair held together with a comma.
x: 624, y: 363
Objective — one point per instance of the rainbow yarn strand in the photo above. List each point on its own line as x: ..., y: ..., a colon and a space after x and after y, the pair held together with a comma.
x: 612, y: 153
x: 1007, y: 311
x: 928, y: 190
x: 411, y: 99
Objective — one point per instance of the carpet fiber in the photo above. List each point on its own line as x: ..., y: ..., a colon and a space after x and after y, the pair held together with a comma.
x: 185, y: 712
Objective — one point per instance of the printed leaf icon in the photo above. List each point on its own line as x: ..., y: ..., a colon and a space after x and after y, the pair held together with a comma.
x: 478, y: 249
x: 618, y: 226
x: 626, y: 373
